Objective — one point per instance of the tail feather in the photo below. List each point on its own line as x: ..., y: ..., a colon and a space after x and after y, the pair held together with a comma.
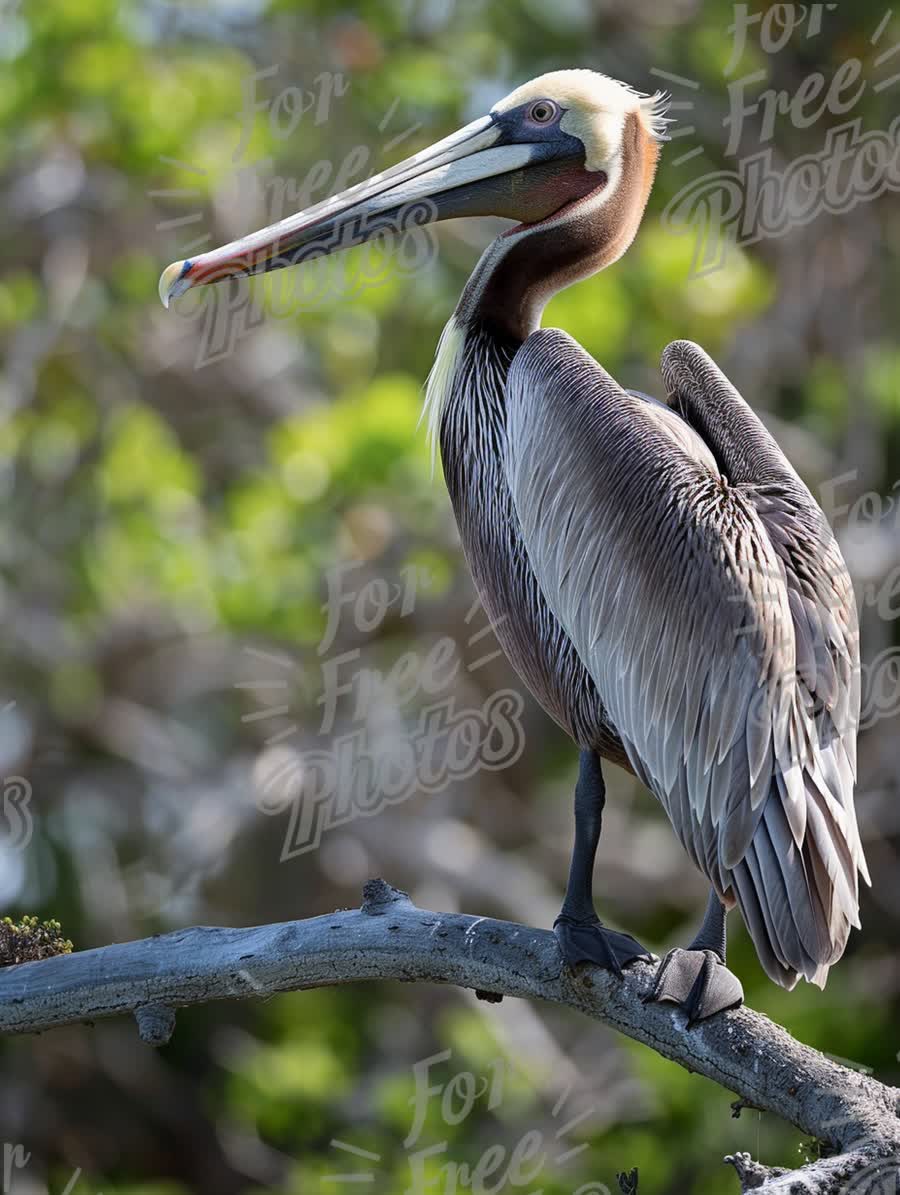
x: 808, y: 913
x: 800, y: 903
x: 748, y: 900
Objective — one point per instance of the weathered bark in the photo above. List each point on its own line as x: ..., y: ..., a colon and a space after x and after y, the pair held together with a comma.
x: 852, y: 1114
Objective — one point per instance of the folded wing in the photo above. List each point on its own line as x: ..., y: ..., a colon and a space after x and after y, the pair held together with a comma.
x: 706, y: 596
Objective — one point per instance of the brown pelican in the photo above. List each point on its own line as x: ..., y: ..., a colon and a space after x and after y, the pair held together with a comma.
x: 657, y: 573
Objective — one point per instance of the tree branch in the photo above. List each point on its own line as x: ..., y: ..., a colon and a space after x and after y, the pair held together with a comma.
x: 390, y: 938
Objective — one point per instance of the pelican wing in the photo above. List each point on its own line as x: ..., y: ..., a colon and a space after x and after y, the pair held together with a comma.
x: 673, y: 557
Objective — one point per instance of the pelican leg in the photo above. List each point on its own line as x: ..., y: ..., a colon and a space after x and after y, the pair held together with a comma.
x: 583, y: 938
x: 697, y: 979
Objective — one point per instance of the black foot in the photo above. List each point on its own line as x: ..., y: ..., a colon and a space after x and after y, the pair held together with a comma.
x: 592, y: 942
x: 697, y: 981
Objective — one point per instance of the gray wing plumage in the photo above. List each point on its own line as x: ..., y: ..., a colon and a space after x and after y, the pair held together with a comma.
x: 707, y: 598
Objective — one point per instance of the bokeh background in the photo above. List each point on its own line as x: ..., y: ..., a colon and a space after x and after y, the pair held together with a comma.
x: 170, y: 522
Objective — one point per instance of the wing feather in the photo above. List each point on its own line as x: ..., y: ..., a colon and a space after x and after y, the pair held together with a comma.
x: 708, y: 600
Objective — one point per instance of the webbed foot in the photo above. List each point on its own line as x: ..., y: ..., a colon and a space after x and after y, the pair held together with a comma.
x: 592, y: 942
x: 698, y: 982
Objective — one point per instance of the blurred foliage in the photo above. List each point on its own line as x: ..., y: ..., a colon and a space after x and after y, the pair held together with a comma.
x: 171, y: 531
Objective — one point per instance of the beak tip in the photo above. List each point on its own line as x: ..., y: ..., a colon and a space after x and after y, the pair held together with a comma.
x: 173, y: 282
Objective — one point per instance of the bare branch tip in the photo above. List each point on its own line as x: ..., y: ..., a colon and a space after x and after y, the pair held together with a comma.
x: 738, y: 1106
x: 752, y: 1175
x: 628, y: 1181
x: 156, y: 1023
x: 379, y: 895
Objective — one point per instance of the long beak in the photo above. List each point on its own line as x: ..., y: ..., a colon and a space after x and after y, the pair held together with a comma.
x: 440, y: 179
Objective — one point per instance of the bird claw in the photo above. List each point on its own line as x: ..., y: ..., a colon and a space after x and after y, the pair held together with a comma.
x: 698, y: 982
x: 592, y: 942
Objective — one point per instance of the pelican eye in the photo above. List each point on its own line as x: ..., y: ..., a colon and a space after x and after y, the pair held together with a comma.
x: 543, y: 111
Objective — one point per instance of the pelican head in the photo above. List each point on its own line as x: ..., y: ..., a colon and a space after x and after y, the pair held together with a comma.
x: 551, y: 151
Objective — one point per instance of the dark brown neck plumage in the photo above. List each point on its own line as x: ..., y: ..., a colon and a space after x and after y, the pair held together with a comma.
x: 521, y: 270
